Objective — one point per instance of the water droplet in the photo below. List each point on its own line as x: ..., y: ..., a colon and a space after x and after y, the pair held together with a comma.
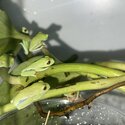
x: 78, y: 118
x: 41, y: 117
x: 71, y: 119
x: 83, y: 113
x: 57, y: 105
x: 101, y: 117
x: 84, y: 122
x: 87, y: 113
x: 96, y: 118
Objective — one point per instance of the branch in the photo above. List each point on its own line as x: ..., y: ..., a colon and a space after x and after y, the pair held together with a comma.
x: 84, y: 102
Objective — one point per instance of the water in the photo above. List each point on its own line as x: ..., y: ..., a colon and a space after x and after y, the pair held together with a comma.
x: 98, y: 114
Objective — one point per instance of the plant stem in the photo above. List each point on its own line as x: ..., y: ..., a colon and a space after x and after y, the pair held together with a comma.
x: 75, y: 67
x: 7, y: 108
x: 79, y: 67
x: 113, y: 64
x: 21, y: 36
x: 87, y: 85
x: 82, y: 86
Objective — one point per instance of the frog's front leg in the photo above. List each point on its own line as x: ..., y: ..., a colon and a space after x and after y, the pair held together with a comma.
x: 73, y: 97
x: 29, y: 73
x: 39, y: 69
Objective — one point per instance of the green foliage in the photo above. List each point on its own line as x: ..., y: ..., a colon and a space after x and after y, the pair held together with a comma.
x: 8, y: 34
x: 4, y: 93
x: 6, y: 60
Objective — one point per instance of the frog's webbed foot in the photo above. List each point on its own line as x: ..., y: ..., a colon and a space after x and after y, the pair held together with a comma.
x: 73, y: 97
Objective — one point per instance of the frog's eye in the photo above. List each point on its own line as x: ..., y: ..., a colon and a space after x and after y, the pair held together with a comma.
x: 48, y: 62
x: 45, y: 87
x: 25, y: 30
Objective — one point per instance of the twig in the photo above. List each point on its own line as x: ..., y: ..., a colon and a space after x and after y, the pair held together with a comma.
x: 48, y: 114
x: 84, y: 102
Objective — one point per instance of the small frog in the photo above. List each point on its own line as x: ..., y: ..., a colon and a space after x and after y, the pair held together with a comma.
x: 30, y: 94
x: 73, y: 97
x: 38, y: 66
x: 35, y: 44
x: 38, y: 42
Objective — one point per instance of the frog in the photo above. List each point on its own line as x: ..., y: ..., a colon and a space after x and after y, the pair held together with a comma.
x: 30, y: 94
x: 37, y: 66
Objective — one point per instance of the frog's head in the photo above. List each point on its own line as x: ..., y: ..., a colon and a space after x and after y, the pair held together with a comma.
x: 48, y: 61
x: 45, y: 87
x: 30, y: 94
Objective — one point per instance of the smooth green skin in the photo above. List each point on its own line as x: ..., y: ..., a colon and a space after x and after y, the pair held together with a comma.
x: 37, y: 42
x: 30, y: 94
x: 6, y: 61
x: 17, y: 70
x: 113, y: 64
x: 39, y: 65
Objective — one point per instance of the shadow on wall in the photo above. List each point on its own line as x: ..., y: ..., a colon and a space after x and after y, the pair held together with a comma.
x: 63, y: 50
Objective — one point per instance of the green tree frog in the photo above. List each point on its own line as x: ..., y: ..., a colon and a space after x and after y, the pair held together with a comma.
x: 30, y: 94
x: 35, y: 44
x: 37, y: 66
x: 38, y: 42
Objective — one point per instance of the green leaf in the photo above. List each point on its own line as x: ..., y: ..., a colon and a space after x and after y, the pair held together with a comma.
x: 7, y: 30
x: 9, y: 36
x: 4, y: 93
x: 7, y: 45
x: 6, y: 60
